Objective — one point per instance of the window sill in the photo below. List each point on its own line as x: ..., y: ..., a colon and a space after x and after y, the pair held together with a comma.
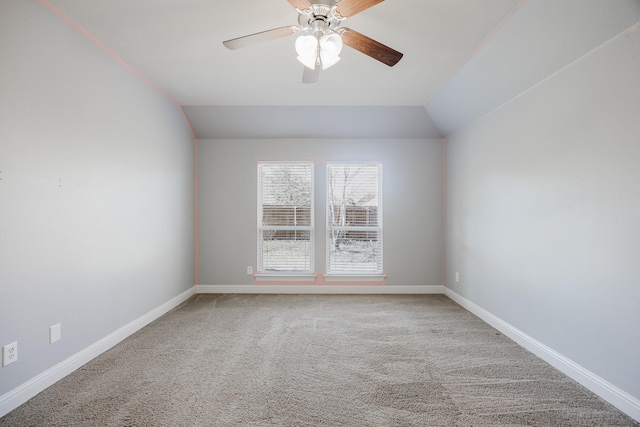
x: 284, y: 277
x: 355, y: 277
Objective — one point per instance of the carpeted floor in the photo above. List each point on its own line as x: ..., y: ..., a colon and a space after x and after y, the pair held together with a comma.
x: 302, y: 360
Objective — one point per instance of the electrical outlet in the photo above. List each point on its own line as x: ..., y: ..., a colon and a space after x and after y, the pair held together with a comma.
x: 457, y: 276
x: 55, y: 333
x: 249, y: 269
x: 9, y: 353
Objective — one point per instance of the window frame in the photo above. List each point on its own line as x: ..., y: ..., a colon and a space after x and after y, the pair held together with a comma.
x: 293, y: 274
x: 355, y: 275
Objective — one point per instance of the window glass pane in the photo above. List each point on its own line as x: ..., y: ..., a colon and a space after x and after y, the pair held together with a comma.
x: 286, y: 184
x: 286, y: 250
x: 286, y: 215
x: 354, y: 251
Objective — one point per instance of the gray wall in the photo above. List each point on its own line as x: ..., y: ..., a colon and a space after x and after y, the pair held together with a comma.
x: 412, y: 197
x: 543, y: 212
x: 96, y: 192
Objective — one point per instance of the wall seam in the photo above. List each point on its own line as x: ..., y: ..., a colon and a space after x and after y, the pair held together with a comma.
x: 196, y: 213
x: 108, y: 51
x: 443, y: 243
x: 476, y: 50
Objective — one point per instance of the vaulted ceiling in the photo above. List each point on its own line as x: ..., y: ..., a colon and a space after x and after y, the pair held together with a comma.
x: 461, y: 59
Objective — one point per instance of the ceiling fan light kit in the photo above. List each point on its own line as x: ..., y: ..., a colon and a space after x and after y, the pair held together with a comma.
x: 325, y: 52
x: 321, y: 37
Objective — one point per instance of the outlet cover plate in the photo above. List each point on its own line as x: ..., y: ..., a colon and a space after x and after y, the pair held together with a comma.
x: 9, y: 353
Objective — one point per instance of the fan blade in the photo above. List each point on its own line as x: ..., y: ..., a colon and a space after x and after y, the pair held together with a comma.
x: 300, y: 4
x: 263, y: 36
x: 311, y: 76
x: 347, y: 8
x: 370, y: 47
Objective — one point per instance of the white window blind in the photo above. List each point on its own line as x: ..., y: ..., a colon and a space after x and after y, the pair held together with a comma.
x: 354, y: 218
x: 285, y: 217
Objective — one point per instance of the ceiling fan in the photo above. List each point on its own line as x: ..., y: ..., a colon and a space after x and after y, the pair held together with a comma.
x: 321, y: 35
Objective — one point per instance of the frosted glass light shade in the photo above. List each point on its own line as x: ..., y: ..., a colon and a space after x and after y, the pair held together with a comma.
x: 328, y: 60
x: 330, y: 48
x: 308, y: 61
x: 331, y: 44
x: 307, y: 49
x: 306, y: 45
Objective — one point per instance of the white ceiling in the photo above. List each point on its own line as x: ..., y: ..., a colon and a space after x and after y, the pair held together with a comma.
x: 462, y: 59
x: 177, y: 45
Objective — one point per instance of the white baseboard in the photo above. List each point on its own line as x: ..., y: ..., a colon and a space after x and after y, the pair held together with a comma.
x: 612, y: 394
x: 16, y: 397
x: 318, y: 289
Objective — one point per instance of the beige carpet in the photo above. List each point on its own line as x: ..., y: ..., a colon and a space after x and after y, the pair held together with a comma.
x: 277, y: 360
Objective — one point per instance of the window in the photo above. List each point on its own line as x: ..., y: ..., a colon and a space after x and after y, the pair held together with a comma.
x: 285, y: 217
x: 354, y: 218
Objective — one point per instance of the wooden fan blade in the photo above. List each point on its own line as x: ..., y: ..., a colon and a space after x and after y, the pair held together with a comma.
x: 300, y: 4
x: 347, y: 8
x: 370, y: 47
x: 311, y: 76
x: 263, y: 36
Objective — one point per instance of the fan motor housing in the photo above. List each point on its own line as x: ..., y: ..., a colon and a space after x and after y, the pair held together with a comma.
x: 319, y: 16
